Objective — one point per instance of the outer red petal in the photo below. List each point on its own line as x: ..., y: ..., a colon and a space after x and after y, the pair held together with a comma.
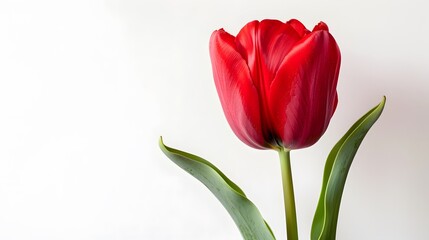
x: 238, y: 96
x: 303, y: 94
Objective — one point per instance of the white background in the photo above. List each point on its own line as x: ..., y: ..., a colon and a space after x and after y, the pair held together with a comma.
x: 87, y: 88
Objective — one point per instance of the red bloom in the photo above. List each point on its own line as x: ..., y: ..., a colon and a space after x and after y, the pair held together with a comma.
x: 276, y: 82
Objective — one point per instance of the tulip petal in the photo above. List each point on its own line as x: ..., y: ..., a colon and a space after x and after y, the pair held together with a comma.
x: 303, y: 94
x: 264, y: 45
x: 299, y: 27
x: 238, y: 95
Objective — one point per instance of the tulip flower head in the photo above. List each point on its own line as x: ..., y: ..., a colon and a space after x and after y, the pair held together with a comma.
x: 276, y: 82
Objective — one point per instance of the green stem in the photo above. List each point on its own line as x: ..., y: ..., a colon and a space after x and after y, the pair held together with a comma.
x: 289, y: 198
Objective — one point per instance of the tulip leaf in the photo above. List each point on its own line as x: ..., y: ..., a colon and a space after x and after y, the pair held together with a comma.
x: 334, y: 178
x: 244, y: 213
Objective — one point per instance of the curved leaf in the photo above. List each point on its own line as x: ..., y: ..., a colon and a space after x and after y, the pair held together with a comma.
x: 244, y: 213
x: 334, y: 178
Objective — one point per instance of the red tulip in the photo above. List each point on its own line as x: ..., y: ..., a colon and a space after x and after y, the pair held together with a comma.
x: 276, y: 82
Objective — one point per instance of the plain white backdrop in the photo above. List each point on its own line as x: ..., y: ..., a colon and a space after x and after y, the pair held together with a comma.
x: 87, y: 88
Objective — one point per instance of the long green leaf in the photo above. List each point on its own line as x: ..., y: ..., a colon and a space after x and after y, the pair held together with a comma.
x: 335, y: 174
x: 244, y: 213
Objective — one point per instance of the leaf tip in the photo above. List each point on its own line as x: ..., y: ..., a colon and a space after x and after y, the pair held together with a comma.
x: 382, y: 103
x: 161, y: 143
